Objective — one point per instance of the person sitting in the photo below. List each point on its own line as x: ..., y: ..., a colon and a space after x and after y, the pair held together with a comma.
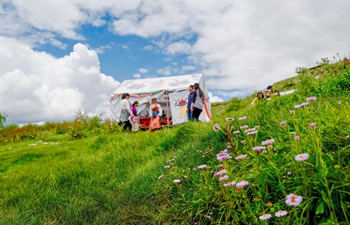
x: 155, y: 112
x: 272, y: 91
x: 134, y: 119
x: 259, y: 98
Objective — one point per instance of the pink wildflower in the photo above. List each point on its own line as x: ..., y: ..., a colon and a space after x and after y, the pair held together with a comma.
x: 236, y: 132
x: 292, y: 112
x: 265, y: 217
x: 283, y: 123
x: 312, y: 124
x: 293, y: 200
x: 229, y: 184
x: 243, y: 141
x: 242, y: 118
x: 259, y: 148
x: 269, y: 141
x: 310, y: 99
x: 301, y: 157
x: 177, y: 181
x: 223, y: 178
x: 241, y: 157
x: 223, y: 155
x: 216, y: 127
x: 244, y: 127
x: 230, y: 119
x: 281, y: 213
x: 296, y: 137
x: 202, y: 166
x: 242, y: 184
x: 221, y: 172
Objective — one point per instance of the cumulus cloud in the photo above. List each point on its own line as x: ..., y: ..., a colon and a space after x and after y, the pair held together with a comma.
x: 188, y: 68
x: 214, y: 98
x: 180, y: 47
x: 240, y: 44
x: 137, y: 75
x: 35, y: 86
x: 143, y: 70
x: 102, y: 49
x: 167, y: 71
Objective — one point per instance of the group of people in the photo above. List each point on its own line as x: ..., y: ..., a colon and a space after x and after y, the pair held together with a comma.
x: 195, y: 102
x: 129, y: 115
x: 260, y: 96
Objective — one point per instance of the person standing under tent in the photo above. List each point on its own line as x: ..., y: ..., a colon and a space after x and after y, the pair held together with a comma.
x: 197, y: 102
x: 189, y: 102
x: 125, y: 111
x: 155, y: 112
x: 134, y: 119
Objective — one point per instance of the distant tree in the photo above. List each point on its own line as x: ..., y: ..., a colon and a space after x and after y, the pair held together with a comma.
x: 2, y: 120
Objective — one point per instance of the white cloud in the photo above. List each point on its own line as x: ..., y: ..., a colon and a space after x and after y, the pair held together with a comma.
x: 35, y: 86
x: 58, y: 44
x: 178, y: 48
x: 102, y: 49
x: 125, y: 47
x: 143, y: 70
x: 188, y: 68
x: 238, y: 44
x: 137, y: 75
x: 148, y: 48
x: 214, y: 98
x: 167, y: 71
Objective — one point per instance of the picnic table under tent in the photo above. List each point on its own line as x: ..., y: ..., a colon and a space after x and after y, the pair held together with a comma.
x: 171, y: 93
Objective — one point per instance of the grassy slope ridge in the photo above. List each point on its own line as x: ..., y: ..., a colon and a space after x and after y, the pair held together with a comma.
x: 113, y: 179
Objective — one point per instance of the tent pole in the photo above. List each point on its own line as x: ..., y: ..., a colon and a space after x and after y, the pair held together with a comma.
x: 167, y: 115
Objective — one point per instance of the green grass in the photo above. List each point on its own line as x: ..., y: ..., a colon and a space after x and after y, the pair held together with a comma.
x: 113, y: 178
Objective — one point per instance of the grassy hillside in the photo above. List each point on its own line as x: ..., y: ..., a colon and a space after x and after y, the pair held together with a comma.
x: 175, y: 176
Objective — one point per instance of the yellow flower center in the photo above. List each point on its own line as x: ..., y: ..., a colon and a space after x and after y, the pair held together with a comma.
x: 293, y: 198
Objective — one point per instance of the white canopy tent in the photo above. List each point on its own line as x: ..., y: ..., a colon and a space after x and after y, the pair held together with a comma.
x: 171, y: 93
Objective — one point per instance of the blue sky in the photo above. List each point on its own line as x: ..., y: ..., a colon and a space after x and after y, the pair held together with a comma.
x: 55, y: 60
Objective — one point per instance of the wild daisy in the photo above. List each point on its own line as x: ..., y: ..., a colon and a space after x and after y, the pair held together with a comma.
x: 265, y: 217
x: 223, y: 155
x: 296, y: 137
x: 230, y: 119
x: 241, y: 157
x: 283, y: 123
x: 242, y: 118
x: 312, y: 124
x: 292, y: 112
x: 236, y: 132
x: 244, y: 127
x: 242, y: 184
x: 310, y: 99
x: 293, y: 200
x: 221, y: 172
x: 301, y: 157
x: 223, y: 178
x: 177, y: 181
x: 229, y: 184
x: 281, y: 213
x: 202, y: 166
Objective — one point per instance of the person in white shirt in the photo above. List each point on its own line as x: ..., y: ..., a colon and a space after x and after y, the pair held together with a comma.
x: 125, y: 111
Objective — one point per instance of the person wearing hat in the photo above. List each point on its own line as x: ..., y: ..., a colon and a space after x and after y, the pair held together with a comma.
x: 197, y: 102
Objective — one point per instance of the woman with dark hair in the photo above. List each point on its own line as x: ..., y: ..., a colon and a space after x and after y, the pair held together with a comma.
x: 125, y: 111
x: 259, y: 97
x: 155, y: 112
x: 197, y: 102
x: 135, y: 122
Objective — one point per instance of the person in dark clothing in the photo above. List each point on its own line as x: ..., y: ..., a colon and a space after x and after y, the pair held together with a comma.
x: 189, y: 102
x: 273, y: 91
x: 197, y: 102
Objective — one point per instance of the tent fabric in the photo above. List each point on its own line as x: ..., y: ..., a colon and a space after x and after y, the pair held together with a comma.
x: 143, y: 90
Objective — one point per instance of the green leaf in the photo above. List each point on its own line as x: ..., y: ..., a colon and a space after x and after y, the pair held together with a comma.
x: 320, y: 208
x: 324, y: 197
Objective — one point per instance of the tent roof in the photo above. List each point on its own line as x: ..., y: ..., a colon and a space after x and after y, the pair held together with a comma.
x: 170, y: 83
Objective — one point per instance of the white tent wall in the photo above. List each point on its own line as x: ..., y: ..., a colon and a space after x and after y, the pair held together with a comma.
x: 143, y: 90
